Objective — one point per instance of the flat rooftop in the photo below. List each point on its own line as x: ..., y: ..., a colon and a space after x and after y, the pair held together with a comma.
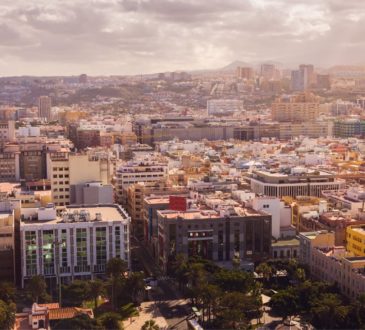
x: 285, y: 242
x: 108, y: 213
x: 209, y: 214
x: 360, y: 230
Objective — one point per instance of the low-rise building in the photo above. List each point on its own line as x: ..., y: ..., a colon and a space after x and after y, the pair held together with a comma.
x: 300, y: 182
x: 215, y: 235
x: 355, y: 236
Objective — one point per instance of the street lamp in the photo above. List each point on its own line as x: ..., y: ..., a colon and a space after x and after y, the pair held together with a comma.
x: 57, y: 244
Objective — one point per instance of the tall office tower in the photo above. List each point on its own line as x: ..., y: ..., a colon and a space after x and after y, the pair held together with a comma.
x: 268, y: 71
x: 83, y: 78
x: 44, y: 107
x: 245, y: 73
x: 323, y: 81
x: 296, y: 81
x: 303, y: 78
x: 307, y: 73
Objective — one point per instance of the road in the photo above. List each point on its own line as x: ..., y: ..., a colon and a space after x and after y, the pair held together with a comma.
x: 173, y: 307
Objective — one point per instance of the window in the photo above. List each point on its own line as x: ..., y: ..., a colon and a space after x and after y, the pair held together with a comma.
x: 100, y: 242
x: 48, y: 252
x: 31, y: 253
x: 81, y: 247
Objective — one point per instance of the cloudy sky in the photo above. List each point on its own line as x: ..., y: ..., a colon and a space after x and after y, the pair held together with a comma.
x: 48, y: 37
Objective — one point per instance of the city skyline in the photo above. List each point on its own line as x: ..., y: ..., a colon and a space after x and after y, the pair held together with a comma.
x: 132, y: 37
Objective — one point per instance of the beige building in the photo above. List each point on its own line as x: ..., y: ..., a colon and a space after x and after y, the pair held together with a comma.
x: 44, y: 107
x: 148, y: 170
x: 9, y: 167
x: 67, y: 170
x: 299, y: 108
x: 7, y: 131
x: 315, y: 239
x: 7, y: 242
x: 334, y: 265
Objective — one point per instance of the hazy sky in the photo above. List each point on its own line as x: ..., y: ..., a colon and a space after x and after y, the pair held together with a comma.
x: 47, y: 37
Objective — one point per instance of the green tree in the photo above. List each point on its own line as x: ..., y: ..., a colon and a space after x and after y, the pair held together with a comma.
x: 96, y: 289
x: 285, y: 303
x: 135, y: 287
x: 36, y: 288
x: 115, y: 269
x: 265, y: 270
x: 79, y: 322
x: 7, y: 315
x: 210, y: 296
x: 127, y: 311
x: 76, y: 293
x: 7, y: 292
x: 110, y: 321
x: 233, y: 280
x: 150, y: 325
x: 232, y: 310
x: 328, y: 312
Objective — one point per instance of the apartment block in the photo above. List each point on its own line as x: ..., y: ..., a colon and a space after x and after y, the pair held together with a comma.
x: 68, y: 170
x: 298, y: 108
x: 355, y: 237
x: 148, y: 170
x: 76, y: 244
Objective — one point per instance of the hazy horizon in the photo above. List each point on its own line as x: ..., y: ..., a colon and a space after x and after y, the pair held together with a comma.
x: 128, y: 37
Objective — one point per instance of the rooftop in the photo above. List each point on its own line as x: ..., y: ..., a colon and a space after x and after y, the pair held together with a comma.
x: 84, y: 213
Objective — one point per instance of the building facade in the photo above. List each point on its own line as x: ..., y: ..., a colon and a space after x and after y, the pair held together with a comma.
x: 76, y: 244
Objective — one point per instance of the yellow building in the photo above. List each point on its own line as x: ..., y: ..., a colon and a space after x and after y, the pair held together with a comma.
x: 356, y: 240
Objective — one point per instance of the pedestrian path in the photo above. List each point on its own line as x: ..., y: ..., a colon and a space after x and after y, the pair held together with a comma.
x: 149, y: 311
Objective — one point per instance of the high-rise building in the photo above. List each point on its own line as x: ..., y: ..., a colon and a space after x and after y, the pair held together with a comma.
x: 268, y: 71
x: 83, y: 78
x: 298, y: 108
x: 245, y: 73
x: 307, y: 73
x: 323, y: 81
x: 148, y: 170
x: 304, y: 78
x: 68, y: 171
x: 44, y: 107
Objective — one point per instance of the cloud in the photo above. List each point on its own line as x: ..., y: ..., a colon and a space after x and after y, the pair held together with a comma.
x: 136, y: 36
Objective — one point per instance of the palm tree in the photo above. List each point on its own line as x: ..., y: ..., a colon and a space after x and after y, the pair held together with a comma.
x: 150, y: 325
x: 116, y: 268
x: 7, y: 315
x: 36, y: 287
x: 265, y: 270
x: 96, y: 289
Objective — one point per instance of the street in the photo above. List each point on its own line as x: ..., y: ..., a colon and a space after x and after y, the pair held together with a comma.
x: 171, y: 304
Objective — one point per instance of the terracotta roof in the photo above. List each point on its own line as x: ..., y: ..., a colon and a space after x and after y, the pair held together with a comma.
x: 50, y: 305
x: 68, y: 313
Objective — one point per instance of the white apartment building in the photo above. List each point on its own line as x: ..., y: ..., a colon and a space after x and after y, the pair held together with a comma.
x: 138, y: 171
x: 74, y: 244
x: 223, y: 106
x: 281, y: 214
x: 309, y: 183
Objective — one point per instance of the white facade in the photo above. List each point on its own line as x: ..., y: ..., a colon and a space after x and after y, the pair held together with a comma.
x: 280, y: 214
x: 76, y: 245
x: 223, y: 106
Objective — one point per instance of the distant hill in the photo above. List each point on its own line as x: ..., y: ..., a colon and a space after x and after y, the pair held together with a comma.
x: 232, y: 66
